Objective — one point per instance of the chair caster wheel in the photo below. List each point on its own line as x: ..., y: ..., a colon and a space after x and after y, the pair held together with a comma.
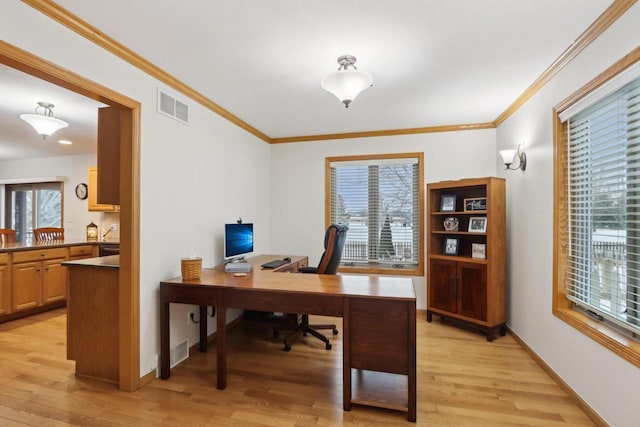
x: 335, y: 332
x: 287, y: 347
x: 328, y: 346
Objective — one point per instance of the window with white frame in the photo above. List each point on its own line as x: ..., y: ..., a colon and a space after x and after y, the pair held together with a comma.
x: 380, y: 199
x: 602, y: 189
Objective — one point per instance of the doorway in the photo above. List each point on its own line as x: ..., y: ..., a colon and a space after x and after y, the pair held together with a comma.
x: 129, y: 300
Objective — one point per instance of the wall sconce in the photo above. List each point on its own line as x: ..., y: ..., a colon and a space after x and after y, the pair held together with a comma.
x: 92, y: 232
x: 509, y: 155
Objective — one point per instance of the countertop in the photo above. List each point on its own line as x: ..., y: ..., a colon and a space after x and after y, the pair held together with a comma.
x: 14, y: 247
x: 112, y: 261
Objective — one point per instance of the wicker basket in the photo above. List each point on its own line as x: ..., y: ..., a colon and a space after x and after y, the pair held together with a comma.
x: 191, y: 268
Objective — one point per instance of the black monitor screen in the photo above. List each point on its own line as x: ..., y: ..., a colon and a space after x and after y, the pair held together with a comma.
x: 238, y: 239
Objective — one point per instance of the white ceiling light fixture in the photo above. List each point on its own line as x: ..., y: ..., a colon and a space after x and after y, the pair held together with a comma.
x: 348, y: 81
x: 44, y: 123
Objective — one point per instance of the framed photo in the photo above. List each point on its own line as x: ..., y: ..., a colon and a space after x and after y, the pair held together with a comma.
x: 475, y: 204
x: 478, y: 250
x: 478, y: 224
x: 451, y: 246
x: 448, y: 203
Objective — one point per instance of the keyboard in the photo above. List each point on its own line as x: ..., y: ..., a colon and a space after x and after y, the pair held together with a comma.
x: 274, y: 264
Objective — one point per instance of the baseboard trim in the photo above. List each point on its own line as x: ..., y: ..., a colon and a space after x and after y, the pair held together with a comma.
x: 575, y: 397
x: 146, y: 379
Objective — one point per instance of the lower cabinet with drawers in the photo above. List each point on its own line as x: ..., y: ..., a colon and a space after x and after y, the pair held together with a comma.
x: 38, y: 278
x: 35, y: 280
x: 5, y: 284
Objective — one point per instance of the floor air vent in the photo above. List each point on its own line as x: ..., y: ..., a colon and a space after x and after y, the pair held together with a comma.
x: 173, y: 108
x: 179, y: 353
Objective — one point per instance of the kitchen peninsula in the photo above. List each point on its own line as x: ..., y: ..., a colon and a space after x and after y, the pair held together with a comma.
x: 92, y: 316
x: 32, y: 278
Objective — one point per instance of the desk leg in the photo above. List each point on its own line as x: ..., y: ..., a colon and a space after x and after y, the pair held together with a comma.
x: 221, y: 343
x: 346, y: 354
x: 203, y: 328
x: 411, y: 354
x: 165, y: 361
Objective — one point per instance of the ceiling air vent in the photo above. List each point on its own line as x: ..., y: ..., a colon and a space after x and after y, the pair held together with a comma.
x: 173, y: 108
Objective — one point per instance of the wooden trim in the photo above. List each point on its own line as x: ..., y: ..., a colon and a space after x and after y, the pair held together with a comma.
x: 604, y: 21
x: 619, y: 66
x: 419, y: 268
x: 563, y: 308
x: 129, y: 276
x: 66, y: 18
x: 390, y: 132
x: 94, y: 35
x: 575, y: 397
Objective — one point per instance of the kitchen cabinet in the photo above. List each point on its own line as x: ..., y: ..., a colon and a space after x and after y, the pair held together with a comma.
x: 83, y: 251
x: 5, y: 284
x: 92, y: 318
x: 38, y: 278
x: 92, y: 198
x: 108, y: 179
x: 466, y: 256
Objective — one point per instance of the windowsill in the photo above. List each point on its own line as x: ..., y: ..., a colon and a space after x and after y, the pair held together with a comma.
x: 620, y: 344
x: 381, y: 270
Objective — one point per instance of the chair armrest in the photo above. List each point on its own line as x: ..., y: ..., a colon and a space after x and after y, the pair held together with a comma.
x: 308, y: 270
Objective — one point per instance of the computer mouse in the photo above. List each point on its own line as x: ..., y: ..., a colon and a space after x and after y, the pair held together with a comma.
x: 287, y: 259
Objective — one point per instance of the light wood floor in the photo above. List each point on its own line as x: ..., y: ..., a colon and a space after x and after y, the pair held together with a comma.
x: 463, y: 380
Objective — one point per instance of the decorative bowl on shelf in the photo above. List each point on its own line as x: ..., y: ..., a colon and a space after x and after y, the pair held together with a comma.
x: 451, y: 224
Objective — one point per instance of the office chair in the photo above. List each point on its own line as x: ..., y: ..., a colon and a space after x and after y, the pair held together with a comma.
x: 7, y: 235
x: 45, y: 234
x: 334, y: 239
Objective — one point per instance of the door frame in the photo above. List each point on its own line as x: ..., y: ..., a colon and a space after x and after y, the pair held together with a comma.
x: 129, y: 273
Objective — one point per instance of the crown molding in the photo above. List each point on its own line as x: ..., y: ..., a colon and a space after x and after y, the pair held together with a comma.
x: 604, y: 21
x: 389, y: 132
x: 74, y: 23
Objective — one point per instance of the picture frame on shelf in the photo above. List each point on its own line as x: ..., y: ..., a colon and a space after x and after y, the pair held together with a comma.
x: 475, y: 204
x: 451, y: 246
x: 478, y: 250
x: 448, y: 203
x: 477, y: 224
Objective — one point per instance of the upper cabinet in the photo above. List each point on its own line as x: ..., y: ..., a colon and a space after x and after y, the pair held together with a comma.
x: 109, y: 136
x: 92, y: 198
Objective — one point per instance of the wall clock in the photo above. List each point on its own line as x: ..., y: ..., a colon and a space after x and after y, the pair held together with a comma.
x: 81, y: 191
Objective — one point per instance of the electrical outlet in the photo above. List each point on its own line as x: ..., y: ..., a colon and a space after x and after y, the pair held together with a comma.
x: 114, y: 226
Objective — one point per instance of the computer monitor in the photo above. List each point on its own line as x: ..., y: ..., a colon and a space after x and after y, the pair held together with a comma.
x: 238, y: 241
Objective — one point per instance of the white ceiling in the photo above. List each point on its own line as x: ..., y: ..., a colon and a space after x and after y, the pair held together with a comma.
x: 434, y: 62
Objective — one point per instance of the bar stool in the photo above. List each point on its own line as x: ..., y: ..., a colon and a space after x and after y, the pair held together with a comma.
x: 45, y: 234
x: 7, y: 235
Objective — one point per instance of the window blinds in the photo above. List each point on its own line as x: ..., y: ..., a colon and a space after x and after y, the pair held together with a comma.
x: 604, y: 207
x: 379, y: 200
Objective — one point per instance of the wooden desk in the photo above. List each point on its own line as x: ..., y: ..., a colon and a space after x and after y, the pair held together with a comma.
x: 379, y: 318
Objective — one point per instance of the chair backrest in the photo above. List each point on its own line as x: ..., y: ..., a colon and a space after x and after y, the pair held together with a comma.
x: 48, y: 233
x: 334, y: 240
x: 7, y: 235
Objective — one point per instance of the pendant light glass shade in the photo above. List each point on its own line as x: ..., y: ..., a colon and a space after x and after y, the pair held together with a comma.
x: 45, y: 124
x: 347, y: 83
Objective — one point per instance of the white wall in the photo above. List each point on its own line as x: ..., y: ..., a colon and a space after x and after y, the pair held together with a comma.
x: 603, y: 379
x: 298, y: 178
x: 74, y: 169
x: 193, y: 178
